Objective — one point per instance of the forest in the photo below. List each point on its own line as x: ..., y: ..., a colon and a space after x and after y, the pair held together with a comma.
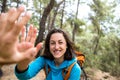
x: 93, y: 25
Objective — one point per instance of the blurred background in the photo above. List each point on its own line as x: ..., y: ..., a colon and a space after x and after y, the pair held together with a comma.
x: 93, y: 25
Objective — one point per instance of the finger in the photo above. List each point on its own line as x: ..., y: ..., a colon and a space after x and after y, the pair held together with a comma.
x: 2, y: 21
x: 19, y: 25
x: 33, y: 36
x: 29, y: 33
x: 12, y: 17
x: 13, y: 14
x: 22, y: 39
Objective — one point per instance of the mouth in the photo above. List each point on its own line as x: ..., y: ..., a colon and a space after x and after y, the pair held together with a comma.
x: 57, y: 51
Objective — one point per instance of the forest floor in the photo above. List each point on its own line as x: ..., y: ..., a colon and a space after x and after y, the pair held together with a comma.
x: 94, y: 74
x: 8, y: 74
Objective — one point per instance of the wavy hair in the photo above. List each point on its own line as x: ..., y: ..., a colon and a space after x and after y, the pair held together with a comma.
x: 69, y: 54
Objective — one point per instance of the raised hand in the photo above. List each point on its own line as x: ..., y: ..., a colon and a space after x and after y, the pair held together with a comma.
x: 30, y: 37
x: 11, y: 51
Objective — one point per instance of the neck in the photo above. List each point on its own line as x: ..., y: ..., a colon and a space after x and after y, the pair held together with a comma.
x: 58, y: 61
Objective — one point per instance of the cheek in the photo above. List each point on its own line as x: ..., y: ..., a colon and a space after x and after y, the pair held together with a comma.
x: 51, y: 48
x: 65, y: 48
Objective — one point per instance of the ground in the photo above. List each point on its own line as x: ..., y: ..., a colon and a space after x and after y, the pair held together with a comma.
x: 8, y: 74
x: 94, y: 74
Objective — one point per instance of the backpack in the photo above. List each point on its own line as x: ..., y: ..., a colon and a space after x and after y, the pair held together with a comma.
x: 66, y: 71
x: 80, y: 58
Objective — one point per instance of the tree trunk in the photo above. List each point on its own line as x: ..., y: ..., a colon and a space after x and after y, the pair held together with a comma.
x: 119, y: 52
x: 18, y: 2
x: 61, y: 23
x: 54, y: 16
x: 75, y: 26
x: 4, y: 5
x: 43, y: 21
x: 49, y: 22
x: 96, y: 45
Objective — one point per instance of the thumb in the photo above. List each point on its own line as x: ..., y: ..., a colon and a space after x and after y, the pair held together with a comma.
x: 39, y: 46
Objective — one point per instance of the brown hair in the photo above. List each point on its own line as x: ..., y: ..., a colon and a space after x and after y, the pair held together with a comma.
x: 69, y: 54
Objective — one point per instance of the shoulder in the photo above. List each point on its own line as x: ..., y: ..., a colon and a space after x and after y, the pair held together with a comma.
x: 75, y: 72
x: 76, y: 68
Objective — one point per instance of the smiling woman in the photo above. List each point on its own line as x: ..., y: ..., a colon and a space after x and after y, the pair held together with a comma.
x: 58, y: 54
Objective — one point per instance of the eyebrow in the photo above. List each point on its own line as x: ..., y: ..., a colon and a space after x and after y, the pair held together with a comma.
x: 58, y: 40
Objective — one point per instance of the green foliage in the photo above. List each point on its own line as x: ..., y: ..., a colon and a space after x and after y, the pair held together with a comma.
x: 92, y: 60
x: 102, y: 20
x: 79, y: 22
x: 107, y: 58
x: 109, y: 64
x: 35, y: 21
x: 110, y: 55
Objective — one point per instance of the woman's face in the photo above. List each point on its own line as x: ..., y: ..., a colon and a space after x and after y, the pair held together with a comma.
x: 58, y: 45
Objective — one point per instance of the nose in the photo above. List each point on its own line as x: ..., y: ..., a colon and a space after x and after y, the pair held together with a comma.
x: 56, y: 46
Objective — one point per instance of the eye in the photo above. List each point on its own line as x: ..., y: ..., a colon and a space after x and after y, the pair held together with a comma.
x: 60, y: 42
x: 52, y: 43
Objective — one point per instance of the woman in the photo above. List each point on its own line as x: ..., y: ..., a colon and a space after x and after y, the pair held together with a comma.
x: 58, y: 54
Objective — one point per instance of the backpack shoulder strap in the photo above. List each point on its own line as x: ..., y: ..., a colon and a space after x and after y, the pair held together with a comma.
x: 68, y: 71
x: 46, y: 69
x: 66, y: 76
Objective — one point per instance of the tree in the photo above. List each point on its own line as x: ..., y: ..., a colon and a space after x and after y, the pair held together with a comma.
x: 42, y: 23
x: 75, y: 24
x: 56, y: 7
x: 4, y: 6
x: 102, y: 12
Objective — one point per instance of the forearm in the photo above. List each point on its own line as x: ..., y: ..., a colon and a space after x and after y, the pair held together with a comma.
x: 22, y: 75
x: 30, y: 70
x: 22, y: 71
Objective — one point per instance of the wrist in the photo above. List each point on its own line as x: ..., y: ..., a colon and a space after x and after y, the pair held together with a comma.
x: 20, y: 71
x: 21, y: 67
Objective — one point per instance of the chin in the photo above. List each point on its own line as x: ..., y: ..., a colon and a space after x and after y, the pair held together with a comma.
x: 57, y: 57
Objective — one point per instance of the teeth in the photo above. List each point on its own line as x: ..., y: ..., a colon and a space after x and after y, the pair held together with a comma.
x: 56, y: 52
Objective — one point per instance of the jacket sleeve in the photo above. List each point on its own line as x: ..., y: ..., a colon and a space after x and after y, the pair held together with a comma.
x: 33, y: 68
x: 75, y: 73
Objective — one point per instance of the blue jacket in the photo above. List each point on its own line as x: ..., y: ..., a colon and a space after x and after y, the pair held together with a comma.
x: 54, y: 74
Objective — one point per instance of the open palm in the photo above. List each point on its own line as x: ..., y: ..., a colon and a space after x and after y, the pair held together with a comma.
x: 11, y: 51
